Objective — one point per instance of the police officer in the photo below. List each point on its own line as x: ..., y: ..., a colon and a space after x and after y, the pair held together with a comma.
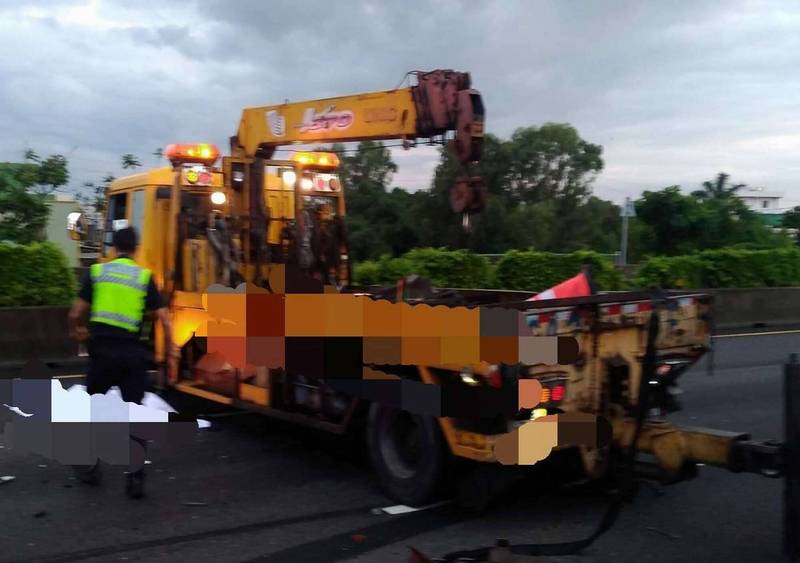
x: 116, y: 295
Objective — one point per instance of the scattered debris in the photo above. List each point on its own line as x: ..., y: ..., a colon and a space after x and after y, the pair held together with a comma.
x: 17, y: 411
x: 40, y: 514
x: 193, y: 503
x: 148, y: 462
x: 202, y: 423
x: 6, y: 479
x: 42, y: 465
x: 403, y: 509
x: 663, y: 533
x: 358, y: 537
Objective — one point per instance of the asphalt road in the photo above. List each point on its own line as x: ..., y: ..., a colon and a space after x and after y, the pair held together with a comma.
x: 260, y: 490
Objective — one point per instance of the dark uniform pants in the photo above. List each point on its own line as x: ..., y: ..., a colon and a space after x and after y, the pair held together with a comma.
x: 117, y: 362
x: 120, y: 362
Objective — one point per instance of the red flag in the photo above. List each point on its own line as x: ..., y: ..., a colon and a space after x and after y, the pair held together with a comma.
x: 574, y: 287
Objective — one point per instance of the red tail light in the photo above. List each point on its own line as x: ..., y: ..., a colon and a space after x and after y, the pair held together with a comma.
x: 494, y: 377
x: 557, y: 393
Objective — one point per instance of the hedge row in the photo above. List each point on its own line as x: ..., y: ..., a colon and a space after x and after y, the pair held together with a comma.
x: 35, y: 274
x: 725, y: 267
x: 529, y: 270
x: 445, y: 268
x: 522, y: 270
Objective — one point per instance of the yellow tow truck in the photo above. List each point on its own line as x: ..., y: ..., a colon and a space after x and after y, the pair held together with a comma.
x: 256, y: 218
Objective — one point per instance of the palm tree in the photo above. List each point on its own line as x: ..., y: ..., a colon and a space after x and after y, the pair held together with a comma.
x: 31, y: 155
x: 130, y: 161
x: 718, y: 188
x: 158, y: 154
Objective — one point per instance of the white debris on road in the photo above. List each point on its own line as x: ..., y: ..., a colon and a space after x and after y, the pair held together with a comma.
x: 17, y: 411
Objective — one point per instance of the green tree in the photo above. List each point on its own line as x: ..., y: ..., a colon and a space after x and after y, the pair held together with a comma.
x: 129, y: 161
x: 718, y: 188
x: 51, y: 173
x: 537, y: 183
x: 24, y: 215
x: 671, y: 223
x: 375, y: 217
x: 552, y: 162
x: 791, y: 219
x: 101, y: 193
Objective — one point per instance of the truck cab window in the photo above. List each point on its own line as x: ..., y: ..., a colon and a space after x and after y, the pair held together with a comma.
x: 117, y: 209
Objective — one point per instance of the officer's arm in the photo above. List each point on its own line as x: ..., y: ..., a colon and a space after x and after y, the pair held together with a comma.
x: 155, y: 302
x: 77, y: 320
x: 163, y: 316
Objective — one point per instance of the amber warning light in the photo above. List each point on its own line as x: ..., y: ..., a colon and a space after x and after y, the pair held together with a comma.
x: 316, y: 159
x: 201, y: 153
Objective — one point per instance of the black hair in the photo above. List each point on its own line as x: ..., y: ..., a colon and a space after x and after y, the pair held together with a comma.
x: 126, y: 240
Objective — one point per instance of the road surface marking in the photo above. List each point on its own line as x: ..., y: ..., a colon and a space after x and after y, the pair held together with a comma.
x: 769, y: 333
x: 74, y: 376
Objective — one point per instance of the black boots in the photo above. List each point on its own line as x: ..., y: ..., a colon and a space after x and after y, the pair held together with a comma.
x: 91, y: 475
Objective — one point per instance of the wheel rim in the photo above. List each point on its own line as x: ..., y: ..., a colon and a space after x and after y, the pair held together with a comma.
x: 401, y: 444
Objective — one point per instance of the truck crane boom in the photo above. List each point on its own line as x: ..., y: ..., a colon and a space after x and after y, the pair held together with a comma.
x: 440, y: 101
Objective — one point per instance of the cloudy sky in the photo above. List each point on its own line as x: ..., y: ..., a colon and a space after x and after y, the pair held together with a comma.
x: 674, y: 91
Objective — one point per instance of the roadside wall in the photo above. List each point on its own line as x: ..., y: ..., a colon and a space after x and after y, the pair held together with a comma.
x: 35, y: 332
x: 755, y: 307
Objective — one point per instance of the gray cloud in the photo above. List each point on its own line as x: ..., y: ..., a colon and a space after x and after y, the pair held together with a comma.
x: 675, y: 92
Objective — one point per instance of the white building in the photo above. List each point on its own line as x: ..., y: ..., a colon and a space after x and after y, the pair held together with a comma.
x: 760, y: 200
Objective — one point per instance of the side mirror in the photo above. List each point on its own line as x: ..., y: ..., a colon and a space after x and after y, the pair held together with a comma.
x: 76, y: 226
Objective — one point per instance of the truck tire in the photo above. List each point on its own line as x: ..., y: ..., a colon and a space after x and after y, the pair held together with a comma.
x: 407, y: 452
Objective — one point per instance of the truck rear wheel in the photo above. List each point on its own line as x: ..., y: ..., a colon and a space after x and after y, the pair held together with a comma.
x: 407, y: 452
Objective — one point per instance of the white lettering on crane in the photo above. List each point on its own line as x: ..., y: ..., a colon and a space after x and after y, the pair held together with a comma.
x: 325, y: 120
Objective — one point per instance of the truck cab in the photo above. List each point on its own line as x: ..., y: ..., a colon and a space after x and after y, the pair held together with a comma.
x: 208, y: 210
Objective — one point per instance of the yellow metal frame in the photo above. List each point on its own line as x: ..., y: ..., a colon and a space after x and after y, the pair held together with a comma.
x: 388, y: 114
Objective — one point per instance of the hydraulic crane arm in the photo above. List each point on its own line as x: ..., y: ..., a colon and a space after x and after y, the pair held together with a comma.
x: 441, y: 101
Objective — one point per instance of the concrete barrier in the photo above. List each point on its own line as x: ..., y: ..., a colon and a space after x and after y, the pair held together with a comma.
x: 35, y: 332
x: 755, y: 307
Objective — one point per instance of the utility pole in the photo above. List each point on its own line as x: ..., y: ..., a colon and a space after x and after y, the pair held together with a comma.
x: 627, y: 211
